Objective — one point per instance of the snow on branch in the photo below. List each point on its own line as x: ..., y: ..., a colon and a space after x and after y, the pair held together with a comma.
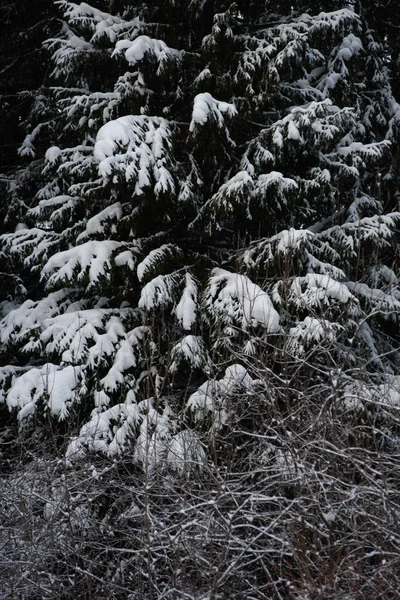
x: 274, y: 184
x: 212, y: 397
x: 206, y: 109
x: 379, y: 300
x: 299, y: 248
x: 373, y: 151
x: 101, y: 24
x: 91, y: 110
x: 309, y: 332
x: 286, y: 242
x: 96, y: 225
x: 233, y: 299
x: 125, y: 359
x: 52, y: 210
x: 136, y: 50
x: 151, y: 433
x: 88, y: 262
x: 94, y: 436
x: 56, y: 386
x: 160, y: 291
x: 190, y: 350
x: 377, y: 230
x: 337, y: 69
x: 27, y: 147
x: 318, y: 123
x: 187, y: 306
x: 137, y: 149
x: 30, y: 246
x: 25, y: 321
x: 318, y: 290
x: 156, y: 259
x: 96, y: 338
x: 67, y: 52
x: 359, y: 395
x: 59, y: 326
x: 224, y: 203
x: 82, y: 335
x: 338, y: 21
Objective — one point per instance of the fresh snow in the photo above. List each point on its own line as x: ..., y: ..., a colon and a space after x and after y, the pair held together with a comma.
x: 95, y: 225
x: 159, y: 291
x: 311, y: 331
x: 124, y: 360
x: 211, y: 397
x: 137, y: 148
x: 187, y: 306
x: 91, y: 259
x: 26, y: 320
x: 52, y: 154
x: 207, y: 109
x: 54, y: 385
x: 319, y: 290
x: 184, y: 451
x: 238, y: 297
x: 134, y: 51
x: 350, y: 46
x: 101, y: 24
x: 379, y: 299
x: 192, y: 351
x: 156, y: 256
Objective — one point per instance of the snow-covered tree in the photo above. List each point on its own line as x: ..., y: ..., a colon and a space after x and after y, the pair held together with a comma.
x: 206, y: 282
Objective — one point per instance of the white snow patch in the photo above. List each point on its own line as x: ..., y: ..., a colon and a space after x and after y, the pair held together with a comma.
x: 311, y: 331
x: 242, y: 299
x: 319, y: 289
x: 92, y: 259
x: 212, y: 396
x: 158, y: 255
x: 191, y: 349
x: 54, y: 385
x: 136, y: 50
x: 157, y: 292
x: 52, y: 154
x: 207, y: 109
x: 95, y: 225
x: 138, y: 149
x: 350, y: 46
x: 185, y: 310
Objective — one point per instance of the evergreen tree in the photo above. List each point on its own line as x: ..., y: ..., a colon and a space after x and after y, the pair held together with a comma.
x: 25, y: 25
x: 208, y: 284
x: 24, y: 28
